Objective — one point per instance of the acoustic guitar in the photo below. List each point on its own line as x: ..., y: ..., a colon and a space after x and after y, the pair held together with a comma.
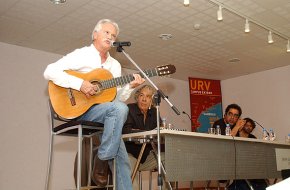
x: 69, y: 103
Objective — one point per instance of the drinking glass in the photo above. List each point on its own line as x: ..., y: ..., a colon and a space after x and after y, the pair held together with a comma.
x: 211, y: 131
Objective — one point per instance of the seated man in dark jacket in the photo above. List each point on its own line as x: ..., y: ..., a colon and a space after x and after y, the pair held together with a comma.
x: 141, y: 117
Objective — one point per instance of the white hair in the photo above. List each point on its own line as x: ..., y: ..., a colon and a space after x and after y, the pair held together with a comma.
x: 138, y: 92
x: 99, y: 25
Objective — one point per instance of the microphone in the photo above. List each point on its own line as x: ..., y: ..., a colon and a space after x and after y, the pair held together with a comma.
x: 261, y: 127
x: 120, y: 44
x: 187, y: 115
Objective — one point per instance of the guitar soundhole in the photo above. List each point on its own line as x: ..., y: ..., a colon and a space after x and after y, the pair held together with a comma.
x: 99, y: 86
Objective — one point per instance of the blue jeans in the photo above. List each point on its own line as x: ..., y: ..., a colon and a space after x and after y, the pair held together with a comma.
x: 113, y: 115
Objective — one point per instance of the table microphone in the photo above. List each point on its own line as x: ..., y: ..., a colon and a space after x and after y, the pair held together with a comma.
x: 187, y: 115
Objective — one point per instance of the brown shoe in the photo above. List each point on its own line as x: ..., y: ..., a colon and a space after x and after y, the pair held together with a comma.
x: 100, y: 172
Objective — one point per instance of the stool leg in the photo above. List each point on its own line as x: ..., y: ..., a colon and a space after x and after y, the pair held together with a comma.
x: 207, y: 184
x: 150, y: 180
x: 140, y: 180
x: 108, y: 183
x: 249, y: 184
x: 50, y: 149
x: 80, y: 134
x: 90, y: 162
x: 114, y: 174
x: 191, y: 185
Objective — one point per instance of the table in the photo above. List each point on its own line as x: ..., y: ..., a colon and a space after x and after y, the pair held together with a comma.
x: 191, y: 156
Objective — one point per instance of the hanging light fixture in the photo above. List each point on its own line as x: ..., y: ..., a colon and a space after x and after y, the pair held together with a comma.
x: 57, y: 2
x: 270, y: 38
x: 222, y: 6
x: 186, y: 3
x: 247, y: 26
x: 220, y: 14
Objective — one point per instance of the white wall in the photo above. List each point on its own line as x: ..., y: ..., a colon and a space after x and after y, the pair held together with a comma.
x: 25, y: 123
x: 24, y: 118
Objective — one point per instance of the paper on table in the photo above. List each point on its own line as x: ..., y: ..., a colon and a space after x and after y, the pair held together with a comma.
x: 282, y: 159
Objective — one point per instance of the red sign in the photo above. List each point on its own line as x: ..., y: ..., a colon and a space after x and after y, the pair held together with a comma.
x: 205, y: 103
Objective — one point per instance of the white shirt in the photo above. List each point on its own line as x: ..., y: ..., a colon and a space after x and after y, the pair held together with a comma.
x: 84, y: 60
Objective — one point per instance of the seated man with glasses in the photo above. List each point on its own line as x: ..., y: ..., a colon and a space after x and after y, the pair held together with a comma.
x: 240, y: 128
x: 232, y: 117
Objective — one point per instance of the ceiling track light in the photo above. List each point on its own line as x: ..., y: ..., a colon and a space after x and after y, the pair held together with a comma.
x: 253, y: 21
x: 220, y: 14
x: 186, y: 3
x: 247, y: 26
x: 165, y: 36
x: 270, y: 38
x: 57, y: 2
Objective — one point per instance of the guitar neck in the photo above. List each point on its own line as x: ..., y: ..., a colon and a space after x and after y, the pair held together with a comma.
x: 119, y: 81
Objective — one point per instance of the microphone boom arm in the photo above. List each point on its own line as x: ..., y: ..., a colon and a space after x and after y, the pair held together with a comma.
x: 262, y: 127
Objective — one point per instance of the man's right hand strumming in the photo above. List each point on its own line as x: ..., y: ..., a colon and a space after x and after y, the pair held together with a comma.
x: 88, y: 88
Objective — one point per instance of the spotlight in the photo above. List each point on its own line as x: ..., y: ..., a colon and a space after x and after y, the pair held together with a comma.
x: 288, y: 46
x: 247, y: 26
x: 220, y: 14
x: 57, y: 2
x: 186, y: 3
x: 270, y: 38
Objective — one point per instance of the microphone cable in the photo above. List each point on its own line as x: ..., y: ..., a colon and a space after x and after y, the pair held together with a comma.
x: 235, y: 161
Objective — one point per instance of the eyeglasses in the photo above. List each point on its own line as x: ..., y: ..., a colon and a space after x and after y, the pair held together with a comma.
x: 230, y: 114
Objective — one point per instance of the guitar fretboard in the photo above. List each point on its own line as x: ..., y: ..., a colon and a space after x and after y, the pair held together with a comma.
x: 119, y: 81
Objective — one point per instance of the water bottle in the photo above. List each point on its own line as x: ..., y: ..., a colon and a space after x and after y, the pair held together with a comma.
x: 288, y: 138
x: 163, y: 125
x: 272, y: 135
x: 228, y: 129
x: 218, y: 130
x: 265, y: 135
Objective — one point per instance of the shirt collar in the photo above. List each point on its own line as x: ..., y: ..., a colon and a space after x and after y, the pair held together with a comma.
x: 108, y: 62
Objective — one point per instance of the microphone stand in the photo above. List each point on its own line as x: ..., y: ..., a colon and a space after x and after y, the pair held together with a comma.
x: 157, y: 98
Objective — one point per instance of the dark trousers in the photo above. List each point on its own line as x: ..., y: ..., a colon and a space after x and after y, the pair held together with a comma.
x: 257, y: 184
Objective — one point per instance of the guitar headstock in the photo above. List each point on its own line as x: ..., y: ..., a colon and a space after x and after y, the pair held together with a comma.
x: 165, y: 70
